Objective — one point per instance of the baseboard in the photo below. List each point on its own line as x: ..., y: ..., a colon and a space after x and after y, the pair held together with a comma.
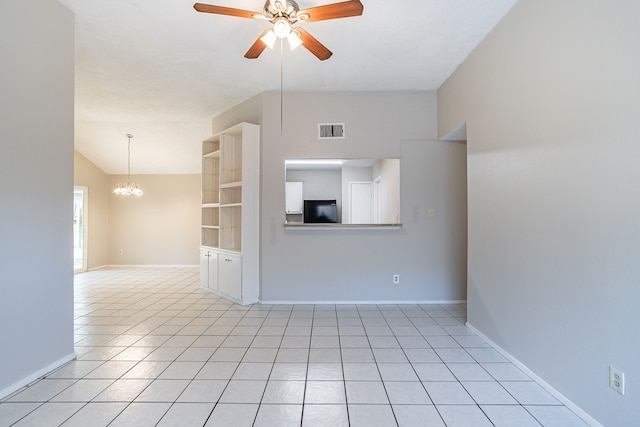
x: 542, y: 383
x: 150, y: 265
x: 36, y: 375
x: 364, y: 302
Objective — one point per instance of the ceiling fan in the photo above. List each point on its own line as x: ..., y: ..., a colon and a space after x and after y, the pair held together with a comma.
x: 284, y: 14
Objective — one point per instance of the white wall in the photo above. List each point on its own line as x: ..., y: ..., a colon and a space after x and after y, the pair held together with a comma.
x: 161, y: 227
x: 552, y: 99
x: 350, y: 265
x: 36, y: 189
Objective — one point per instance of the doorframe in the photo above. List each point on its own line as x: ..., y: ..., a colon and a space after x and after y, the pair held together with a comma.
x: 376, y: 200
x: 85, y: 228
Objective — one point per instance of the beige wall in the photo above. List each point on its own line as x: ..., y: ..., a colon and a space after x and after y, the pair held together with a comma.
x: 88, y: 175
x: 159, y: 228
x: 552, y: 99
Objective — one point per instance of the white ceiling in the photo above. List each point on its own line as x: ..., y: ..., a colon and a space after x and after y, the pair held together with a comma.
x: 161, y: 71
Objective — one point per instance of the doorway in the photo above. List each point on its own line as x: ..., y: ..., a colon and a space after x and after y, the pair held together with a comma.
x: 80, y: 195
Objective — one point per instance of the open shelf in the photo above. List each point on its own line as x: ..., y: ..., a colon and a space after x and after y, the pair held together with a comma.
x: 211, y: 217
x: 230, y: 196
x: 231, y: 228
x: 210, y: 237
x: 230, y: 159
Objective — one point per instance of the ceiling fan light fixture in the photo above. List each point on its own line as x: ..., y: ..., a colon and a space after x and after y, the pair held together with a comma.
x: 269, y: 39
x: 294, y: 40
x: 281, y: 28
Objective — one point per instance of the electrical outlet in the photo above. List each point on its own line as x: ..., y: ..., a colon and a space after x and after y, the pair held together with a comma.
x: 616, y: 380
x: 396, y: 279
x: 431, y: 212
x: 120, y: 251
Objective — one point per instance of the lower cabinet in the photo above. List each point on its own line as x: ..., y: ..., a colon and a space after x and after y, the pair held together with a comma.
x: 204, y: 268
x: 230, y: 275
x: 221, y: 272
x: 209, y: 269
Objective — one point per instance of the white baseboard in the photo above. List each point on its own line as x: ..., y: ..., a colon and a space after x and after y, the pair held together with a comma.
x: 364, y: 302
x: 149, y: 265
x: 36, y: 375
x: 542, y: 383
x: 106, y: 266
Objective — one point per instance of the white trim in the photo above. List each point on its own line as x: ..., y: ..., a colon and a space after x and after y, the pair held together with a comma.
x: 85, y: 227
x: 102, y: 267
x: 227, y: 297
x: 366, y: 302
x: 36, y: 375
x: 97, y: 268
x: 149, y: 265
x: 542, y: 383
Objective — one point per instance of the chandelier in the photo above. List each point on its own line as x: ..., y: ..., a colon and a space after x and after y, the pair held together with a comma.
x: 128, y: 188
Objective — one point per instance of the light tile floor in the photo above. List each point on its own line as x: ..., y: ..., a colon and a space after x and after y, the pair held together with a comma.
x: 154, y: 349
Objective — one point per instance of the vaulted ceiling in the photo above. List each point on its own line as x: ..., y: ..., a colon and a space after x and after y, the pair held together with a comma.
x: 161, y: 71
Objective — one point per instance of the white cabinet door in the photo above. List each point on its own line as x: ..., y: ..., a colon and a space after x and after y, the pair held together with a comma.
x: 293, y: 197
x: 213, y: 270
x: 230, y: 275
x: 208, y: 269
x: 204, y: 268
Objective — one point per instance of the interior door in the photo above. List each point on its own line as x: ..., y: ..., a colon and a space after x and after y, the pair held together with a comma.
x: 360, y: 203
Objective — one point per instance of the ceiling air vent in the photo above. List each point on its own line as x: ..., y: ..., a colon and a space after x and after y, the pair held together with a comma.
x: 330, y: 130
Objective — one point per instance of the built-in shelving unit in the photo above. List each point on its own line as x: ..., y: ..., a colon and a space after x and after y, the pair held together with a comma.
x: 230, y: 209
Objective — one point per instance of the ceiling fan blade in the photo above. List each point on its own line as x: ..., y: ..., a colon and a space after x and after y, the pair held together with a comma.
x: 220, y: 10
x: 313, y: 45
x: 257, y: 47
x: 332, y: 11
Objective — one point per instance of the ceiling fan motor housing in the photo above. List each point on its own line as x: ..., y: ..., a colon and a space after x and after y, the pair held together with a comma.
x: 287, y: 9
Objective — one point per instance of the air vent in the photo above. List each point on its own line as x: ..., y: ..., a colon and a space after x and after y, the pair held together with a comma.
x: 330, y: 130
